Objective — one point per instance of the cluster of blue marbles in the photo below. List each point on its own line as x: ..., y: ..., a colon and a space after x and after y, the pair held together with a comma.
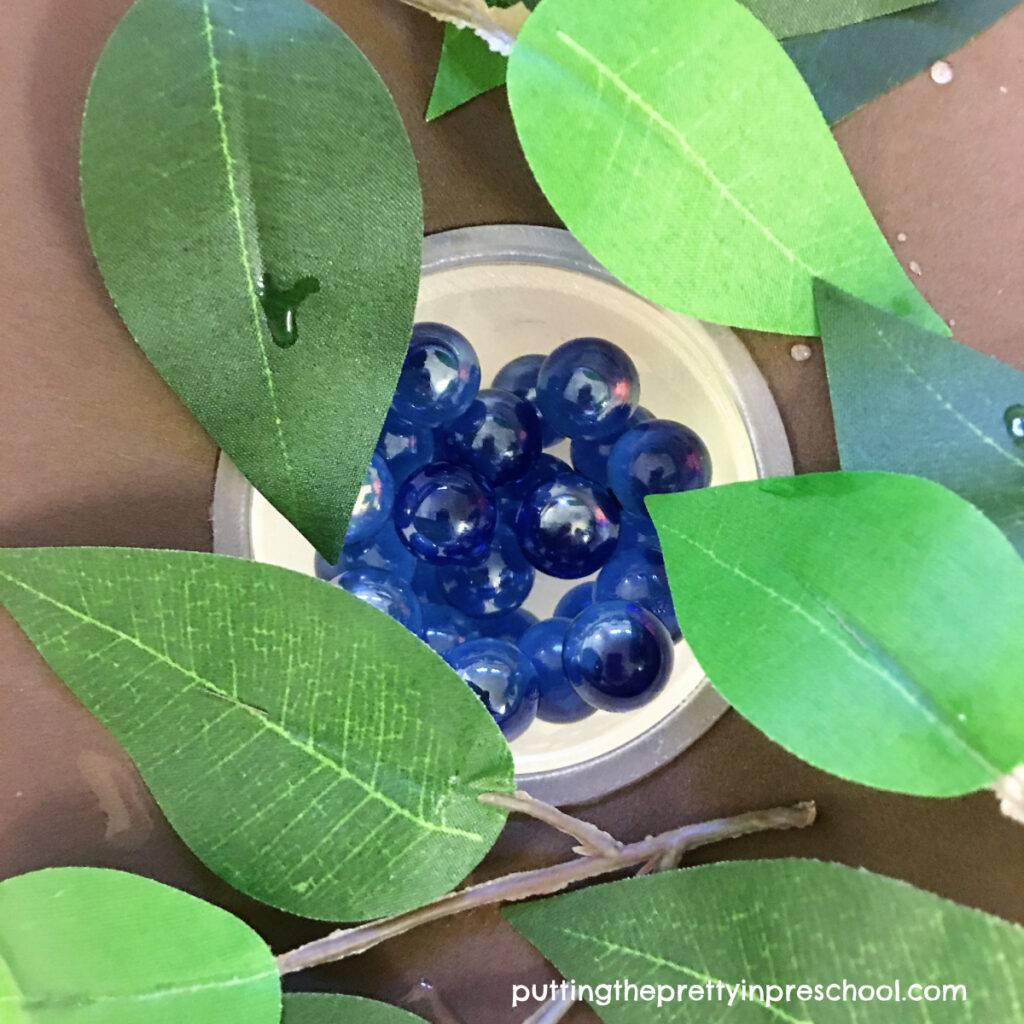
x: 461, y: 508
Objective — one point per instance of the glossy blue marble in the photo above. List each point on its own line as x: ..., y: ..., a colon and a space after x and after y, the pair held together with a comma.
x: 426, y: 584
x: 542, y: 644
x: 502, y: 677
x: 495, y: 586
x: 385, y: 591
x: 568, y: 527
x: 405, y: 446
x: 617, y: 655
x: 657, y: 457
x: 588, y: 388
x: 374, y: 503
x: 498, y: 436
x: 507, y: 627
x: 572, y: 602
x: 511, y: 496
x: 639, y: 576
x: 446, y: 514
x: 444, y: 627
x: 636, y: 532
x: 520, y: 377
x: 591, y: 457
x: 384, y: 550
x: 440, y: 377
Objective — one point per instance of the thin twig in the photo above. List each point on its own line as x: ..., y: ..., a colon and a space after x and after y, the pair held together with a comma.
x: 540, y: 882
x: 593, y: 841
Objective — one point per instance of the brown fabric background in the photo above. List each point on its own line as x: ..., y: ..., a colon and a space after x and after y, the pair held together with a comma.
x: 96, y: 450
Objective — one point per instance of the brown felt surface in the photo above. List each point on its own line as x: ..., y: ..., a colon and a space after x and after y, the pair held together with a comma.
x: 96, y: 450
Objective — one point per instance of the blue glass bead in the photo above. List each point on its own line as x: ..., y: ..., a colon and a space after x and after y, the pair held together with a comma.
x: 384, y: 550
x: 373, y: 504
x: 617, y: 655
x: 498, y: 436
x: 657, y: 457
x: 508, y: 627
x: 588, y: 388
x: 542, y: 644
x: 638, y: 575
x: 405, y: 446
x: 440, y: 376
x: 502, y: 677
x: 568, y: 527
x: 637, y: 532
x: 546, y: 468
x: 520, y: 377
x: 445, y: 628
x: 384, y: 591
x: 495, y: 586
x: 572, y: 602
x: 426, y: 585
x: 591, y: 457
x: 446, y: 514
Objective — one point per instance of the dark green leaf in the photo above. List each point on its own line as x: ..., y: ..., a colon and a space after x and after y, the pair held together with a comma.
x: 850, y: 66
x: 317, y: 1008
x: 783, y: 923
x: 696, y: 180
x: 869, y: 622
x: 468, y: 67
x: 238, y: 160
x: 85, y: 946
x: 909, y: 401
x: 786, y: 18
x: 306, y: 746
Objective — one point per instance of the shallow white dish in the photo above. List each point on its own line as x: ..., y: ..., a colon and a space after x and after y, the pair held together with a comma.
x: 513, y: 290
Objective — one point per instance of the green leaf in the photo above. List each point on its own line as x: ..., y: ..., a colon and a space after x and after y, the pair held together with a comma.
x: 468, y: 67
x: 850, y: 66
x: 686, y: 153
x: 909, y: 401
x: 316, y: 1008
x: 307, y: 747
x: 781, y: 922
x: 237, y: 161
x: 90, y: 946
x: 868, y: 622
x: 785, y: 18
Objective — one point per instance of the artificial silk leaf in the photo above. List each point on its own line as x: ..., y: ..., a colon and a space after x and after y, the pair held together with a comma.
x: 703, y: 931
x: 868, y: 622
x: 317, y: 1008
x: 468, y: 67
x: 786, y: 18
x: 850, y: 66
x: 909, y: 401
x: 90, y: 946
x: 307, y: 747
x: 252, y: 199
x: 686, y: 153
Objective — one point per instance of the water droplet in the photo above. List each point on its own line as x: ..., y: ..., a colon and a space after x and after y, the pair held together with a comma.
x: 801, y: 352
x: 280, y: 305
x: 1014, y: 420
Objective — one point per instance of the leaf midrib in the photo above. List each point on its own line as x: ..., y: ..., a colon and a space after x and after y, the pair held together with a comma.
x: 262, y: 718
x: 243, y: 244
x: 905, y: 691
x: 656, y: 117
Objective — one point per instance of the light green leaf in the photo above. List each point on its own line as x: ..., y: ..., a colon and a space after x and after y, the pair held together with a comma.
x: 307, y: 747
x: 317, y: 1008
x: 787, y: 18
x: 468, y: 67
x: 796, y: 923
x: 234, y: 159
x: 687, y: 154
x: 868, y: 622
x: 89, y: 946
x: 909, y: 401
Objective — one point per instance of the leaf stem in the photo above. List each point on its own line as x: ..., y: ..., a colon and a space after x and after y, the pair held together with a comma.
x: 593, y: 841
x: 541, y: 882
